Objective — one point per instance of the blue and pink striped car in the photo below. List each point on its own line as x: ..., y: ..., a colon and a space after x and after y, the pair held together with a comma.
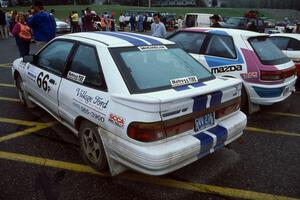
x: 268, y: 75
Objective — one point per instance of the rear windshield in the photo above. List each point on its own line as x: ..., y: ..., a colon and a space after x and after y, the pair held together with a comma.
x: 268, y: 53
x: 145, y: 70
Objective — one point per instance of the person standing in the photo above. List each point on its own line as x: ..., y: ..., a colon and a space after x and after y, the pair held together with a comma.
x: 74, y: 21
x: 140, y: 23
x: 22, y: 33
x: 103, y: 23
x: 180, y: 22
x: 42, y: 23
x: 132, y: 22
x: 89, y: 20
x: 158, y: 29
x: 3, y: 33
x: 122, y: 22
x: 215, y: 21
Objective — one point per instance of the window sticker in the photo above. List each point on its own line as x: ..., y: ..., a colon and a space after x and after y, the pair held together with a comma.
x: 183, y: 81
x: 76, y: 77
x: 152, y: 48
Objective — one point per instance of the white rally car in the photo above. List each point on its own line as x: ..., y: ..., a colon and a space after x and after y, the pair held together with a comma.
x: 268, y: 75
x: 135, y: 101
x: 289, y: 44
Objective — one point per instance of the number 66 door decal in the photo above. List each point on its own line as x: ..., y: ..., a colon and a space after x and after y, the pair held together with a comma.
x: 42, y: 81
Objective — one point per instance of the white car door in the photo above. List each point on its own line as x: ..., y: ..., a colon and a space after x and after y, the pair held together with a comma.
x: 83, y: 91
x: 44, y: 75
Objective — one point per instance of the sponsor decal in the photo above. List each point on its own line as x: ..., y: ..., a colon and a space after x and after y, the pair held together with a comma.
x: 76, y: 77
x: 93, y: 114
x: 31, y: 76
x: 184, y: 81
x: 250, y: 75
x: 229, y: 68
x: 92, y: 100
x: 152, y: 48
x: 117, y: 120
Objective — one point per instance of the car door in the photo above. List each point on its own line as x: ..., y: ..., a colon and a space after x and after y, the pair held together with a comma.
x: 83, y: 91
x: 44, y: 75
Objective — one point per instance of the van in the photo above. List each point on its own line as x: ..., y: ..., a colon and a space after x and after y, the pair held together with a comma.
x: 197, y: 19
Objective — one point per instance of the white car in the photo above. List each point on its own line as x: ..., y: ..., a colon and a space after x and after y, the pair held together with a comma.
x: 134, y: 101
x: 62, y: 26
x: 290, y: 45
x: 268, y: 75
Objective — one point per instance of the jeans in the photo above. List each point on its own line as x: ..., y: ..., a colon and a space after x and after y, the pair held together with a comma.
x: 23, y: 46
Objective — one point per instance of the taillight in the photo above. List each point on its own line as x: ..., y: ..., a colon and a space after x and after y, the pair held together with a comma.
x: 270, y: 75
x: 277, y: 75
x: 227, y: 109
x: 150, y: 132
x: 146, y: 132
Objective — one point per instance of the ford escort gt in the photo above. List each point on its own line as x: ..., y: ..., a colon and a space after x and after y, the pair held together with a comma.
x: 268, y: 75
x: 134, y: 101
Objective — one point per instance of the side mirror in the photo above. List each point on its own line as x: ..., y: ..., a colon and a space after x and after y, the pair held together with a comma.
x: 29, y: 58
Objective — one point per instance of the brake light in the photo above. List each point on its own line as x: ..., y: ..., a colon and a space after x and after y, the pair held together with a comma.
x: 270, y: 75
x: 146, y: 132
x: 226, y: 110
x: 277, y: 75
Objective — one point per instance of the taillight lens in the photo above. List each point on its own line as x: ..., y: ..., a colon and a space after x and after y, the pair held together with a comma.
x: 146, y: 132
x: 277, y: 75
x: 226, y: 110
x: 270, y: 75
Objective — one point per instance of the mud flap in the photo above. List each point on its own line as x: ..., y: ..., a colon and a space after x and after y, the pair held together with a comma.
x: 252, y: 108
x: 115, y: 167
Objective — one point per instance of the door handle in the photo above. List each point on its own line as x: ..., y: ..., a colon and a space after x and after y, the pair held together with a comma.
x: 52, y: 81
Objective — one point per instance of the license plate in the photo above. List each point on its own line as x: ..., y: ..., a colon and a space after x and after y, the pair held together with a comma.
x: 204, y: 122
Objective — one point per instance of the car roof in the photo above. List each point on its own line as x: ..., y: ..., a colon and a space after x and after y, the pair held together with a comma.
x: 225, y: 31
x: 118, y: 39
x: 291, y: 35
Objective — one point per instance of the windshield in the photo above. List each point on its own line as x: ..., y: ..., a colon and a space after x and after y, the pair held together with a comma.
x: 268, y: 53
x: 148, y: 70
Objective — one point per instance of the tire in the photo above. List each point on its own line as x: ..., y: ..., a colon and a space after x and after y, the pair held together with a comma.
x: 23, y: 96
x: 244, y: 101
x: 91, y: 146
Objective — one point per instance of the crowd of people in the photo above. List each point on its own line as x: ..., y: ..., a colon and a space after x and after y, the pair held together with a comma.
x: 39, y: 25
x: 36, y: 25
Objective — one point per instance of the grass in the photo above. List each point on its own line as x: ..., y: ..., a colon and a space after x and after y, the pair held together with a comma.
x: 62, y: 11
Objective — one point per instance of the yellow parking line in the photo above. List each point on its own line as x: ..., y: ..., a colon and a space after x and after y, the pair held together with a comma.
x: 284, y: 114
x: 6, y: 85
x: 6, y: 65
x: 9, y: 99
x: 276, y: 132
x: 197, y: 187
x: 23, y: 122
x: 49, y: 163
x: 22, y: 133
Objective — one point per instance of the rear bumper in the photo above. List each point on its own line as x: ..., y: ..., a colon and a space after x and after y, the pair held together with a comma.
x: 269, y: 94
x: 167, y: 156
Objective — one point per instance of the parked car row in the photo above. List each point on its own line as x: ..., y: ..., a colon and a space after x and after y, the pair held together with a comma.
x: 143, y: 103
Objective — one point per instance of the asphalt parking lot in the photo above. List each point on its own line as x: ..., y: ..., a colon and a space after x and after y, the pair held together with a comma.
x: 40, y: 159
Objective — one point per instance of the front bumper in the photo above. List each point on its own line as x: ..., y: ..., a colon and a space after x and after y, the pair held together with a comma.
x: 270, y: 94
x: 167, y: 156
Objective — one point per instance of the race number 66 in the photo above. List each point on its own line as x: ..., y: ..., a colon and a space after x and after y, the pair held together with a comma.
x: 42, y: 81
